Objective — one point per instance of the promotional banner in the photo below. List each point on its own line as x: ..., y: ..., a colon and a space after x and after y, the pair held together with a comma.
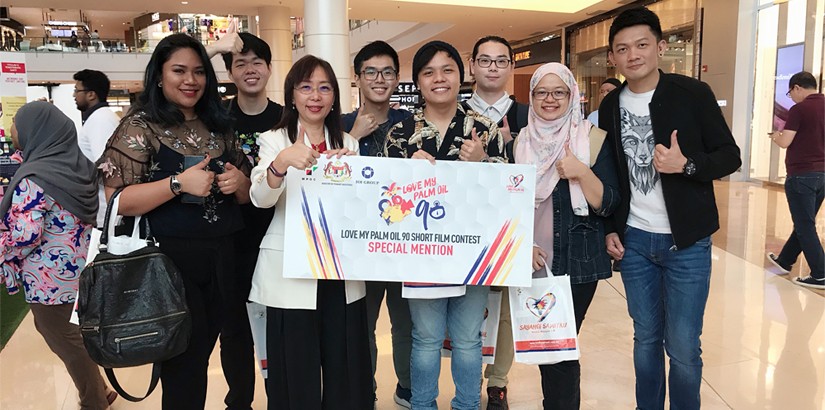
x: 384, y: 219
x: 13, y: 83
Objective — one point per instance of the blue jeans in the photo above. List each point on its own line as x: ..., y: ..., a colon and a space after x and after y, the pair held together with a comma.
x: 805, y: 194
x: 667, y: 290
x: 462, y: 317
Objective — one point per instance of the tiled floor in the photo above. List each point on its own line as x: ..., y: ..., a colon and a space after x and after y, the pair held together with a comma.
x: 763, y: 341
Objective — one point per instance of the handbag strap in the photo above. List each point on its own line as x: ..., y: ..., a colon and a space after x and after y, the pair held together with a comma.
x: 110, y: 374
x: 111, y: 211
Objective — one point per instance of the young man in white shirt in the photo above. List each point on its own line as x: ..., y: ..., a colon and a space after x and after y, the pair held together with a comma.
x: 492, y: 67
x: 91, y: 90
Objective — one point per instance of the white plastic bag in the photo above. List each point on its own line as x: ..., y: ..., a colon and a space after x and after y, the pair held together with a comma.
x: 257, y: 323
x: 544, y: 324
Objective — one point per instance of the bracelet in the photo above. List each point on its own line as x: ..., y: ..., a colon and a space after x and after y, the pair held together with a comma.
x: 275, y: 172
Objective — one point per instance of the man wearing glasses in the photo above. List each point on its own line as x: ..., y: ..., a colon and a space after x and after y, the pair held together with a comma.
x: 804, y: 138
x: 492, y: 67
x: 91, y: 90
x: 376, y: 73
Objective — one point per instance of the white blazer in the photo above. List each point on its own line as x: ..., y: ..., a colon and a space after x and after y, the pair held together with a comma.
x: 269, y: 287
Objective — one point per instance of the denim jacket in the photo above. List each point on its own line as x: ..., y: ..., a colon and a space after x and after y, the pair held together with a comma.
x: 579, y: 248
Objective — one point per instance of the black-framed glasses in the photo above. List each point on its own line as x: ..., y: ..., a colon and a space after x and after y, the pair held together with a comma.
x: 371, y: 73
x: 788, y: 94
x: 307, y: 89
x: 81, y: 90
x: 557, y: 94
x: 485, y: 62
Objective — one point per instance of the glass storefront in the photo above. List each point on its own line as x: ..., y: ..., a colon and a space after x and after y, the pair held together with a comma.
x: 588, y: 48
x: 783, y: 47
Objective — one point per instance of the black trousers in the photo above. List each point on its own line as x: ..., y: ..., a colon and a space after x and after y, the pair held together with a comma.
x: 319, y: 359
x: 204, y: 265
x: 237, y: 351
x: 561, y: 382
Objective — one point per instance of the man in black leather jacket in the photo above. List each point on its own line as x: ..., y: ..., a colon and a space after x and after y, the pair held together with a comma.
x: 675, y: 142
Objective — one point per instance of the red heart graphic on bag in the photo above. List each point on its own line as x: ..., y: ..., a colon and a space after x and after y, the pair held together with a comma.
x: 541, y: 307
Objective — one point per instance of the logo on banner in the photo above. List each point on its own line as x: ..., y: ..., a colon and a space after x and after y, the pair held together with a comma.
x: 515, y: 183
x: 394, y: 208
x: 338, y: 171
x: 541, y: 307
x: 310, y: 170
x: 368, y: 172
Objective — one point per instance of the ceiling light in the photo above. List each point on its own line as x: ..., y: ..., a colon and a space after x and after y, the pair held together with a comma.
x: 184, y: 2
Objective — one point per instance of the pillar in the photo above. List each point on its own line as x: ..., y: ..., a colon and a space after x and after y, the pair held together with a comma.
x: 326, y: 36
x: 273, y: 27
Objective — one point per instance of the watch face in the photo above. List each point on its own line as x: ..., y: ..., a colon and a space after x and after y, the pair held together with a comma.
x: 690, y: 168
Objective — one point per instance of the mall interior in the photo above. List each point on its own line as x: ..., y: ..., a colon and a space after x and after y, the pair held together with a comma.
x: 764, y: 338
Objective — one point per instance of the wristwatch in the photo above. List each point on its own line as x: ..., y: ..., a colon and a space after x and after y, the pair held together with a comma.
x: 690, y: 168
x: 175, y: 185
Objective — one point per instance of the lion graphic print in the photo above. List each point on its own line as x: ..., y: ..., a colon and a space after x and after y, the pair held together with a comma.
x: 638, y: 144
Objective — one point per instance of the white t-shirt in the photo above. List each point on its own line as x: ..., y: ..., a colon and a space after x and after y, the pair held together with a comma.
x: 647, y: 203
x: 92, y: 139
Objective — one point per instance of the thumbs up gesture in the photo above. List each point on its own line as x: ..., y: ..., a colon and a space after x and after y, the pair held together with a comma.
x: 569, y: 167
x: 472, y: 150
x: 505, y: 131
x: 364, y: 125
x: 298, y: 155
x: 669, y: 160
x: 229, y: 43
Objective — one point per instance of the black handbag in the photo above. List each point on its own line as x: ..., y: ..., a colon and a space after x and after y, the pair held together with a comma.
x: 132, y: 308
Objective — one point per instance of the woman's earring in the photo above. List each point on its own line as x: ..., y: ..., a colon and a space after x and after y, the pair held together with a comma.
x: 160, y: 84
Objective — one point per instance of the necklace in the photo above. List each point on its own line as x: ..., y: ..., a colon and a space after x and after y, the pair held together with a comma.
x: 320, y: 147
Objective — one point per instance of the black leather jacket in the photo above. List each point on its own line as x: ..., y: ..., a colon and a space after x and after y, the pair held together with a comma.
x: 689, y: 106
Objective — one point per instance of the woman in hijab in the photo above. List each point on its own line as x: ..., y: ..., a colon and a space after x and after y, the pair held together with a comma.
x: 178, y: 161
x: 47, y: 217
x: 572, y: 198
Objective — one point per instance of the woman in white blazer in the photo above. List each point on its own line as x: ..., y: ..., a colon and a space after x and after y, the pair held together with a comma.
x: 316, y: 331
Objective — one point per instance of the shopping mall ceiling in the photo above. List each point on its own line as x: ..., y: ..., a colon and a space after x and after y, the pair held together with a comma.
x: 513, y: 19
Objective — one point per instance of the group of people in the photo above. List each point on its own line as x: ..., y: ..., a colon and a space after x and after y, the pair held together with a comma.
x: 646, y: 198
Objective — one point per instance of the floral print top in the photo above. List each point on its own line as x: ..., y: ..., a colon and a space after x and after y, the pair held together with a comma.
x: 44, y: 247
x: 416, y: 133
x: 141, y: 151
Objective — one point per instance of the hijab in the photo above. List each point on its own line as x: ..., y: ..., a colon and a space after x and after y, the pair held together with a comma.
x: 541, y: 143
x: 52, y: 159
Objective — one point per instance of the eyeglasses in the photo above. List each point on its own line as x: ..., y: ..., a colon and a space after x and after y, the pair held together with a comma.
x: 485, y: 62
x: 80, y: 91
x: 371, y: 73
x: 788, y: 94
x: 557, y: 94
x: 307, y: 89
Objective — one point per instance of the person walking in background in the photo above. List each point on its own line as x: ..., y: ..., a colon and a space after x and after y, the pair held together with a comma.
x: 804, y: 138
x: 47, y: 217
x: 91, y: 90
x: 607, y: 86
x: 193, y: 211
